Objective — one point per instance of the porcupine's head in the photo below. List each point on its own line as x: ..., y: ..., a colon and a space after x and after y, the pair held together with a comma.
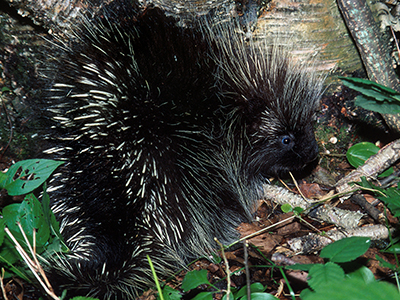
x: 276, y: 97
x: 282, y: 136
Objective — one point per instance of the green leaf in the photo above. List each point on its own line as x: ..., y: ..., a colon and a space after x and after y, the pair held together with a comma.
x: 49, y: 217
x: 255, y: 287
x: 286, y: 208
x: 370, y: 88
x: 346, y: 249
x: 170, y: 294
x: 298, y: 210
x: 25, y: 176
x: 374, y: 96
x: 362, y: 273
x: 387, y: 172
x: 260, y: 296
x: 215, y: 258
x: 371, y: 103
x: 204, y: 296
x: 386, y: 264
x: 8, y: 254
x: 29, y: 214
x: 392, y: 200
x: 359, y: 153
x: 193, y: 279
x: 231, y: 296
x: 5, y: 89
x: 11, y: 270
x: 56, y: 245
x: 320, y: 275
x: 353, y: 289
x: 3, y: 179
x: 395, y: 248
x: 390, y: 197
x: 2, y: 233
x: 304, y: 294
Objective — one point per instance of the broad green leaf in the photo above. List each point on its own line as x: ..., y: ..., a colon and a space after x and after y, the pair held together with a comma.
x: 254, y: 288
x: 353, y: 289
x: 286, y: 208
x: 231, y: 296
x: 260, y: 296
x: 362, y: 273
x: 3, y: 179
x: 29, y: 214
x: 320, y: 275
x: 346, y: 249
x: 298, y: 210
x: 193, y: 279
x: 371, y: 103
x: 204, y: 296
x: 306, y: 293
x: 25, y: 176
x: 359, y: 153
x: 170, y: 294
x: 371, y: 88
x: 394, y: 248
x: 8, y: 257
x: 392, y: 200
x: 49, y: 217
x: 56, y: 246
x: 8, y: 253
x: 374, y: 96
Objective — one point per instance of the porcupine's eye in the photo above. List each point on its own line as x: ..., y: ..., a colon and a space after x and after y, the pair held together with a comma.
x: 286, y: 140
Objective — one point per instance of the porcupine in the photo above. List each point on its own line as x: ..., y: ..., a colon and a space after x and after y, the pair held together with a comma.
x: 168, y: 133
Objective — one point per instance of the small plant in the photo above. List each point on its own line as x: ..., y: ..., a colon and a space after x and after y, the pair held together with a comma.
x: 342, y: 277
x: 29, y: 226
x: 374, y: 96
x: 35, y: 218
x: 359, y: 153
x: 384, y: 100
x: 196, y: 278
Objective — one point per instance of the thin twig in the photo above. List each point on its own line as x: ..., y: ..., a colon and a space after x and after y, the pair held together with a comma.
x: 247, y: 269
x: 2, y: 285
x: 395, y: 40
x: 31, y: 264
x: 263, y: 230
x: 297, y: 186
x: 228, y: 272
x: 35, y: 261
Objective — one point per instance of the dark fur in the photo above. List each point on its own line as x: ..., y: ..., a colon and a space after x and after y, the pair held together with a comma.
x: 167, y: 133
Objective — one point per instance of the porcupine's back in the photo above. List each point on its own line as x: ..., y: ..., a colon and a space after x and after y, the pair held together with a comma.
x: 166, y: 133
